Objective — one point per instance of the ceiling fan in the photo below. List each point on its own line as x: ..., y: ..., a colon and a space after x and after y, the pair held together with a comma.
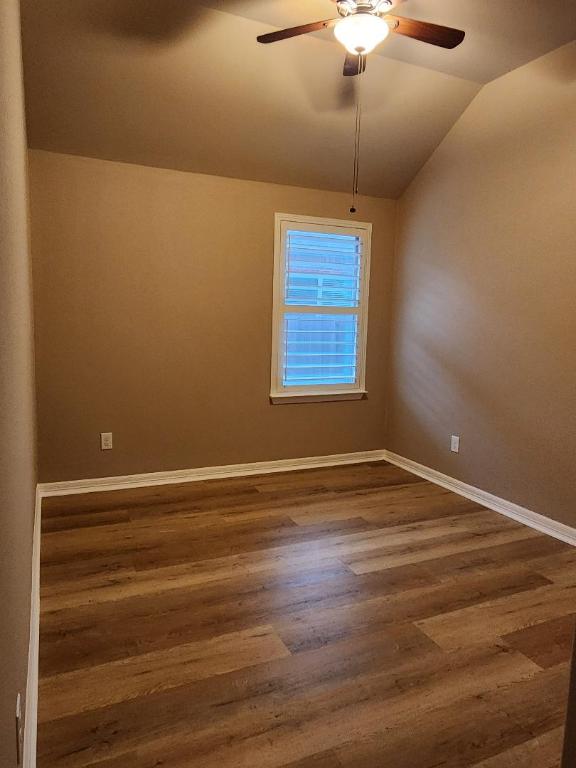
x: 364, y: 24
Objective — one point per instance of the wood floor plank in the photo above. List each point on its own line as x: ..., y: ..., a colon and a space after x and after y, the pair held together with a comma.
x: 396, y: 505
x: 59, y: 578
x: 537, y: 704
x: 324, y: 760
x: 125, y: 760
x: 276, y: 730
x: 137, y: 676
x: 132, y: 626
x: 499, y: 617
x: 324, y: 721
x: 560, y: 568
x: 318, y: 545
x: 541, y: 752
x: 418, y: 550
x: 226, y: 574
x: 311, y: 629
x: 76, y: 520
x: 306, y: 611
x: 63, y: 546
x: 172, y: 548
x: 299, y: 620
x: 443, y: 738
x: 268, y: 687
x: 469, y: 730
x: 523, y: 554
x: 547, y: 643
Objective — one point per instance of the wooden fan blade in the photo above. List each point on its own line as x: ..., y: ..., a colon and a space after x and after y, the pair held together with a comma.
x: 354, y: 65
x: 284, y: 34
x: 445, y: 37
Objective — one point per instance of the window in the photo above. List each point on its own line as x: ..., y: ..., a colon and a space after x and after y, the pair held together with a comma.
x: 321, y: 273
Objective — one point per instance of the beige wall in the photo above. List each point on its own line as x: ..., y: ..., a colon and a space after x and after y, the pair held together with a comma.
x: 153, y: 293
x: 17, y: 470
x: 485, y: 295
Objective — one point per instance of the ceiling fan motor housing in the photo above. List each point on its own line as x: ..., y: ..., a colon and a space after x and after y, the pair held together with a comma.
x: 348, y: 7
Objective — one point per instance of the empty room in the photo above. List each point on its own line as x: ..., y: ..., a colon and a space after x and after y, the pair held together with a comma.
x: 287, y: 384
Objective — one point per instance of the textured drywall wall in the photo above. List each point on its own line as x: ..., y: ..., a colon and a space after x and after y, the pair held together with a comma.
x: 17, y: 467
x: 484, y: 334
x: 153, y: 293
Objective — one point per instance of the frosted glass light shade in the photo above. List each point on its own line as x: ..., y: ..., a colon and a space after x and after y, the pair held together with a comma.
x: 361, y: 32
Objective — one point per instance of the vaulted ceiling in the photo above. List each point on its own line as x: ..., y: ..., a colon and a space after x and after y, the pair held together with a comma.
x: 183, y: 84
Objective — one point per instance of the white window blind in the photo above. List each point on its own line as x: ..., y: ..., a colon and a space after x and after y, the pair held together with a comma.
x: 320, y: 307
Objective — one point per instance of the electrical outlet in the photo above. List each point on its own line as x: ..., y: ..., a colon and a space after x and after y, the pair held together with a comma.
x: 106, y: 441
x: 19, y: 731
x: 455, y: 443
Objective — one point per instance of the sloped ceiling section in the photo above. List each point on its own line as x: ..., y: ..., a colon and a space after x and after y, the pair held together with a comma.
x: 182, y: 84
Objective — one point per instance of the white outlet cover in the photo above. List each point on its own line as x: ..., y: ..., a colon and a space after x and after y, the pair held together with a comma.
x: 106, y: 443
x: 455, y: 443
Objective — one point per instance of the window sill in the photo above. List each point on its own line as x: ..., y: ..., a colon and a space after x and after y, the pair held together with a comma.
x: 279, y: 398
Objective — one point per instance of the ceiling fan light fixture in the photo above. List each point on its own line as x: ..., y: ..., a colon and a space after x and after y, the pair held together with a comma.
x: 360, y: 33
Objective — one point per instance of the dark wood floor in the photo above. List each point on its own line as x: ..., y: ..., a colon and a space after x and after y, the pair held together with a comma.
x: 355, y: 617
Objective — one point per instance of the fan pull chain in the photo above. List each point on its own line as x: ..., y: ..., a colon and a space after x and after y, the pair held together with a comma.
x: 357, y: 130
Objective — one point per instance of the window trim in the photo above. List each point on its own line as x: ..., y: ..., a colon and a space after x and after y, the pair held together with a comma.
x: 318, y: 393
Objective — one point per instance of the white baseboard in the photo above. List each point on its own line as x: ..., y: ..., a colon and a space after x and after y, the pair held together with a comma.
x: 521, y: 514
x: 526, y: 516
x: 205, y: 473
x: 31, y: 712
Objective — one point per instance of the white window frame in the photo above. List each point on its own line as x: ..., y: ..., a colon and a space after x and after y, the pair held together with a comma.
x: 297, y: 394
